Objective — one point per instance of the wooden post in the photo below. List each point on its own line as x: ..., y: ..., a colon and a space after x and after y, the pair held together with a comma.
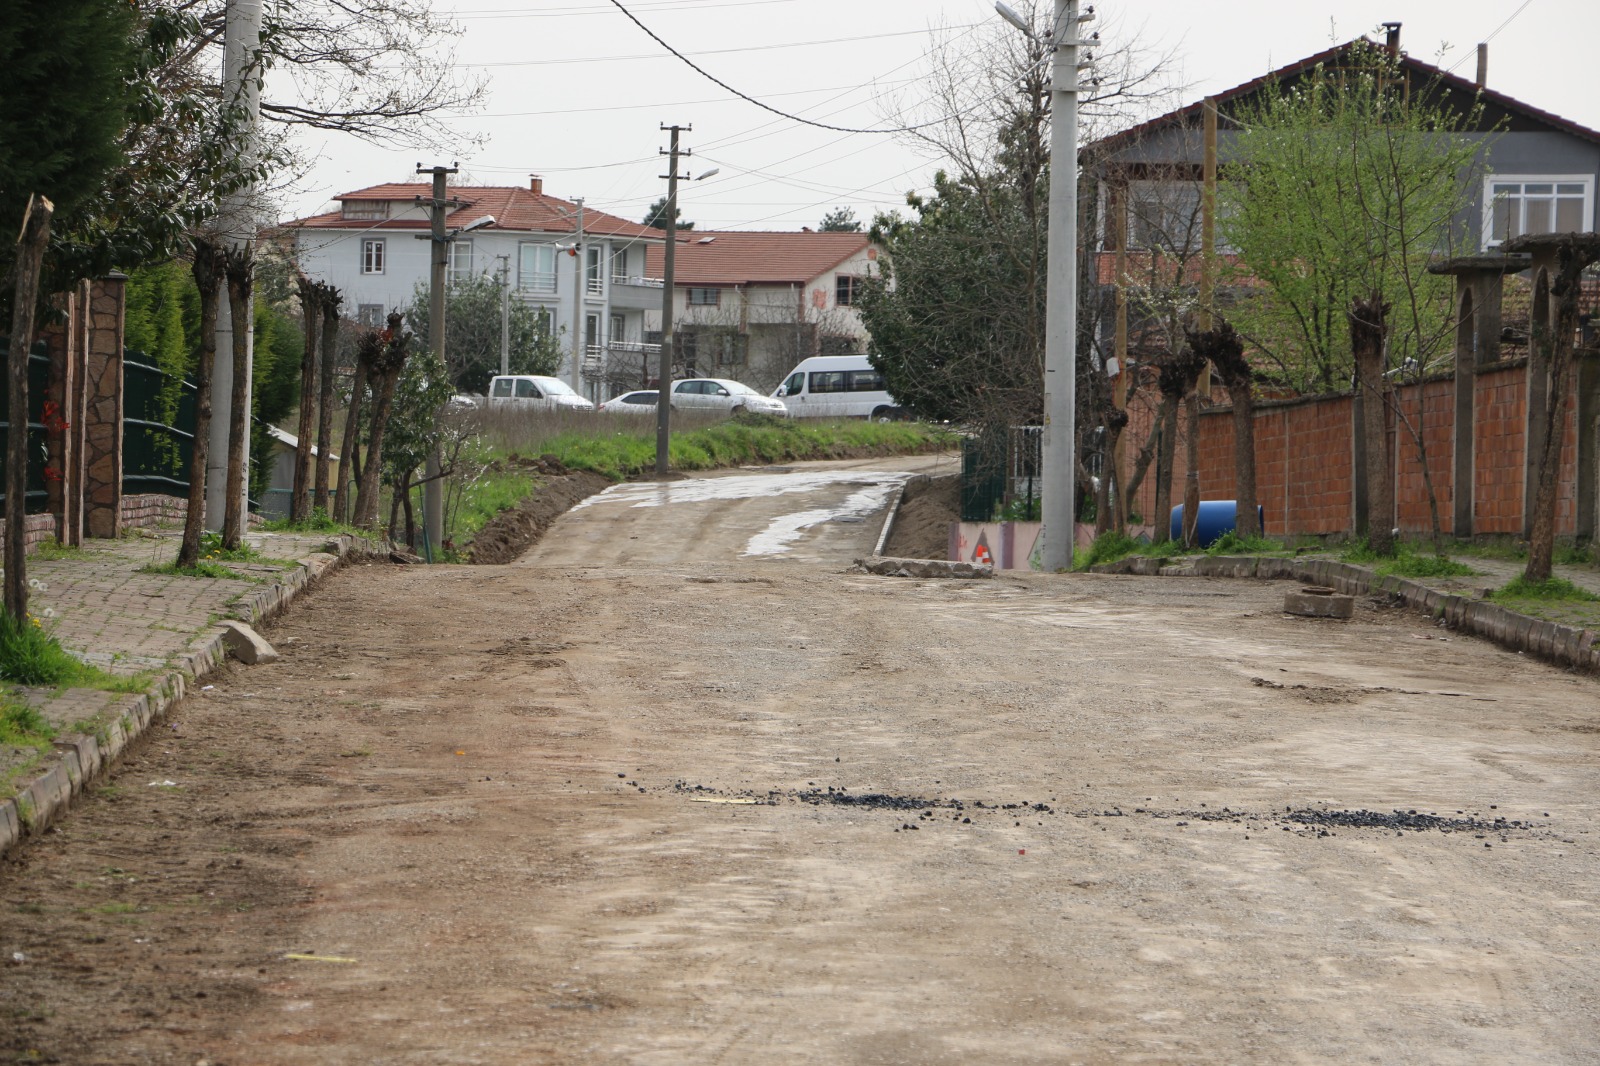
x: 1118, y: 205
x: 32, y: 243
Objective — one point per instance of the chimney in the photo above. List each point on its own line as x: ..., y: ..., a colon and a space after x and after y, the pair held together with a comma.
x: 536, y: 184
x: 1393, y: 43
x: 1483, y: 64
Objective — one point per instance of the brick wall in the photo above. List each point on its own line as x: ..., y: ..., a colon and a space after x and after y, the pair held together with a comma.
x: 1305, y: 457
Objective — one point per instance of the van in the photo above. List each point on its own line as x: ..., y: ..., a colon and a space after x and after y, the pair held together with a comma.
x: 837, y: 386
x: 534, y: 392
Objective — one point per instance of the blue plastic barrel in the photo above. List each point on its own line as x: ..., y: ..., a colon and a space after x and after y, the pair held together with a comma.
x: 1216, y: 518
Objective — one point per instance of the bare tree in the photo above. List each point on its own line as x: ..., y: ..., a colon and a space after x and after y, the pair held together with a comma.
x: 329, y: 355
x: 310, y: 293
x: 386, y: 359
x: 1368, y: 329
x: 1225, y: 350
x: 25, y: 301
x: 208, y: 269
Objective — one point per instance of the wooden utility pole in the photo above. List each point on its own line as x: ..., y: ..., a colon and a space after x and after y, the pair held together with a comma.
x: 579, y: 292
x: 32, y: 243
x: 433, y: 487
x: 669, y: 261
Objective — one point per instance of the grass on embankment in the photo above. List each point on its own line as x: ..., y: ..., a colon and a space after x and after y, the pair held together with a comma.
x: 1554, y: 600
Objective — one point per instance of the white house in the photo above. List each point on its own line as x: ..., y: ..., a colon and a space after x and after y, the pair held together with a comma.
x: 582, y: 270
x: 750, y: 305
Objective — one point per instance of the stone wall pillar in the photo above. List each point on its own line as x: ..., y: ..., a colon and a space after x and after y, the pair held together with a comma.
x: 102, y: 419
x: 64, y: 336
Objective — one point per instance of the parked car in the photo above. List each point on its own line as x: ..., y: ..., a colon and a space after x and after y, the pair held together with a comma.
x: 838, y: 386
x: 722, y: 394
x: 463, y: 401
x: 535, y: 392
x: 637, y: 402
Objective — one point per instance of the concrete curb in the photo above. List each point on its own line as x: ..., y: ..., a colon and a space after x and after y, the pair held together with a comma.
x: 81, y: 758
x: 1578, y: 649
x: 890, y: 513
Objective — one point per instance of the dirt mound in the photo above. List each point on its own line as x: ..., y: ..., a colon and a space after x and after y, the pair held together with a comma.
x: 922, y: 525
x: 514, y: 531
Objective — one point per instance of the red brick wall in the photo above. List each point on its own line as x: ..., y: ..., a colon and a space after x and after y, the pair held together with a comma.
x: 1305, y: 458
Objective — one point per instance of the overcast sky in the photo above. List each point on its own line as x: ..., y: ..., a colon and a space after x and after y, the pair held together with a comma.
x: 577, y: 92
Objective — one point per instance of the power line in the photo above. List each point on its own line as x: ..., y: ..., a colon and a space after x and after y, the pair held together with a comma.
x: 678, y: 103
x: 745, y: 96
x: 1497, y: 29
x: 706, y: 52
x: 597, y: 9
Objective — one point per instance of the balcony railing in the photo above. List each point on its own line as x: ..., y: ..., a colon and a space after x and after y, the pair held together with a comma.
x: 635, y: 279
x: 634, y: 347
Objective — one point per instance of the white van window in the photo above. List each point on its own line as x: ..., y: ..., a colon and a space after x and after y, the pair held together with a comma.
x: 865, y: 381
x: 502, y: 387
x: 795, y: 385
x: 828, y: 381
x: 526, y: 391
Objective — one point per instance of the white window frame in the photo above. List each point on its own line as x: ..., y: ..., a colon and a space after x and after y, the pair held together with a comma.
x: 457, y: 270
x: 372, y: 316
x: 1491, y: 180
x: 594, y: 271
x: 692, y: 300
x: 536, y: 280
x: 364, y: 210
x: 374, y: 264
x: 619, y: 265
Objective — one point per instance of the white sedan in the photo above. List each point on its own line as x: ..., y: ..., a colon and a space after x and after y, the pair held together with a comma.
x: 723, y: 394
x: 637, y: 402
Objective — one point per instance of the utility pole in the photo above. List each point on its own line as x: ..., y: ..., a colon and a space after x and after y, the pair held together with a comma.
x: 241, y: 87
x: 579, y: 291
x: 1061, y: 301
x: 433, y: 485
x: 669, y: 258
x: 505, y: 313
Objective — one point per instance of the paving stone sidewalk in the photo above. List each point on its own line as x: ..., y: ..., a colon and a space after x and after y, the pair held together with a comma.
x: 104, y: 607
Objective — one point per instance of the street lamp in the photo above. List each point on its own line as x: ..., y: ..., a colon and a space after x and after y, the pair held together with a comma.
x: 1061, y: 285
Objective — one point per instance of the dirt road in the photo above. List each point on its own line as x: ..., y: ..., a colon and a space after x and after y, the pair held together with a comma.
x: 502, y: 815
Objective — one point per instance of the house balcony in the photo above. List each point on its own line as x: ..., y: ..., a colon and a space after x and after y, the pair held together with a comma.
x: 619, y: 360
x: 635, y: 293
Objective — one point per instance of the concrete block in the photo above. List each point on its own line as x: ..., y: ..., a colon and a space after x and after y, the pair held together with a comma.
x: 246, y: 645
x: 892, y: 567
x: 1318, y: 604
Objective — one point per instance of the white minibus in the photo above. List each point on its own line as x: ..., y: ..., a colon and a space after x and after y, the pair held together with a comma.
x: 837, y: 386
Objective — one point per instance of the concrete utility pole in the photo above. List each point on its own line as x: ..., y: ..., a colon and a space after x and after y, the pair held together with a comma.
x: 1061, y: 300
x: 579, y: 292
x: 440, y: 204
x: 505, y: 313
x: 669, y: 259
x: 241, y: 86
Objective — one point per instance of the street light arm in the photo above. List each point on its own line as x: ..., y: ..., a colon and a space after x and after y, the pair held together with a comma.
x: 1008, y: 13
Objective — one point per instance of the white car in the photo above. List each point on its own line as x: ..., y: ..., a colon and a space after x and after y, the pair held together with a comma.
x: 722, y: 394
x: 637, y: 402
x: 535, y: 392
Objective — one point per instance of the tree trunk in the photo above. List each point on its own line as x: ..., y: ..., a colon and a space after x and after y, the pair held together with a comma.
x: 30, y: 260
x: 394, y: 517
x: 208, y: 271
x: 1168, y: 448
x: 330, y: 359
x: 371, y: 475
x: 240, y: 268
x: 1368, y: 328
x: 349, y: 461
x: 311, y: 312
x: 1564, y: 290
x: 1246, y: 522
x: 1191, y: 477
x: 411, y: 517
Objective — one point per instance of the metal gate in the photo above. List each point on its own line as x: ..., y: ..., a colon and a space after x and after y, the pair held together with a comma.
x: 38, y: 454
x: 157, y: 429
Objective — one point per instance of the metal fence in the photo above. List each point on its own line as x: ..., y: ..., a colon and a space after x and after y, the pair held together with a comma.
x: 157, y: 429
x: 38, y: 455
x: 1000, y: 472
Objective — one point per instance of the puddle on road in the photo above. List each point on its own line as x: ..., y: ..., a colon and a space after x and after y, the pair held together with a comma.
x: 781, y: 532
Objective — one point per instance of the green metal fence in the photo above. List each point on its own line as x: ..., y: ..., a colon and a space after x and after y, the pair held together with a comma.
x: 38, y: 383
x: 157, y: 429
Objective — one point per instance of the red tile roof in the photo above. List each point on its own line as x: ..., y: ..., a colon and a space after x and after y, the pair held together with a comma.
x: 755, y: 258
x: 514, y: 207
x: 1191, y: 112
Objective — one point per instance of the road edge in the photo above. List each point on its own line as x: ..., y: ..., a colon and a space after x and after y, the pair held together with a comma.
x: 81, y: 758
x: 1563, y: 645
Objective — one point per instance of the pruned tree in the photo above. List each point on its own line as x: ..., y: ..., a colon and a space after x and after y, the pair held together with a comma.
x: 329, y: 356
x: 1177, y: 374
x: 1224, y: 349
x: 1368, y: 331
x: 349, y: 449
x: 239, y: 270
x: 24, y: 301
x: 208, y: 268
x: 386, y: 355
x: 310, y: 293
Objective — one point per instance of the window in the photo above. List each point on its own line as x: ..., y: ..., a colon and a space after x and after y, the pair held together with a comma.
x: 863, y: 381
x: 829, y: 381
x: 704, y: 297
x: 619, y: 265
x: 1518, y: 204
x: 846, y: 290
x: 371, y: 316
x: 372, y: 255
x: 526, y: 390
x: 543, y: 321
x: 501, y: 389
x: 536, y: 267
x: 591, y: 331
x: 794, y: 385
x: 460, y: 268
x: 364, y: 209
x: 1164, y: 215
x: 594, y: 281
x: 619, y: 329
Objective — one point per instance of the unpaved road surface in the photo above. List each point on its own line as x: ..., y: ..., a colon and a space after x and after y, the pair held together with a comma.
x: 491, y: 805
